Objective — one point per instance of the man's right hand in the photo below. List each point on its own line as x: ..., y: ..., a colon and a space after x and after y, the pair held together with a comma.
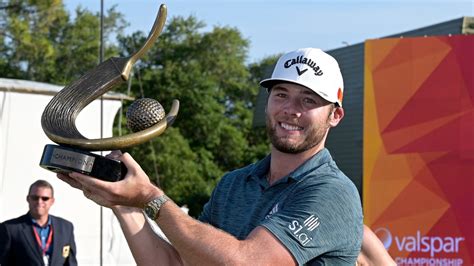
x: 135, y: 190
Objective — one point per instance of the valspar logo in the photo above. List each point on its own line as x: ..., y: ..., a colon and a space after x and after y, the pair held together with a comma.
x: 418, y: 243
x: 385, y: 236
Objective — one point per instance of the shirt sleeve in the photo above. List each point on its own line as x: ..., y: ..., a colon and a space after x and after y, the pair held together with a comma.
x: 319, y: 218
x: 204, y: 216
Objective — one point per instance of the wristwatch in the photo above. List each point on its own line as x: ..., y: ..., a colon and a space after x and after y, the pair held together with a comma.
x: 153, y: 207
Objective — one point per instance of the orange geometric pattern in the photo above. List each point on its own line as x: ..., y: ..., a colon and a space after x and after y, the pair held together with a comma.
x: 418, y: 185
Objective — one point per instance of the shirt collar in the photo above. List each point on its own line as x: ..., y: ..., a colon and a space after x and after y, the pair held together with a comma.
x: 320, y: 158
x: 261, y: 168
x: 37, y: 225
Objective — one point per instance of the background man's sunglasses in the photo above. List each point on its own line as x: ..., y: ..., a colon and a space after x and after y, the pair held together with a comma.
x: 36, y: 198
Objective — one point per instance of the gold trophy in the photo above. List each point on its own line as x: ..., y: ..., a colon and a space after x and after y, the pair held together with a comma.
x: 58, y: 119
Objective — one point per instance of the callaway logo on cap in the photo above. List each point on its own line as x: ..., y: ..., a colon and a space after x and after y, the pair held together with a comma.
x: 312, y: 68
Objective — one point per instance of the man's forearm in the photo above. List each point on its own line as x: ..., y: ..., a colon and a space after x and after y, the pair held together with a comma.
x: 146, y: 246
x: 202, y: 244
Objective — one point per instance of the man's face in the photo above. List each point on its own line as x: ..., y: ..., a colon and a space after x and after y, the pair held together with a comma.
x: 297, y: 118
x: 40, y: 199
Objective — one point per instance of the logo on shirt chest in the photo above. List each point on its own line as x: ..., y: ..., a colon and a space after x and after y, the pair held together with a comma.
x: 300, y: 231
x: 273, y: 211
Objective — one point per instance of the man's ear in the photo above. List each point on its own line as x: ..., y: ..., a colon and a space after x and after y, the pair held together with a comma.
x: 336, y: 116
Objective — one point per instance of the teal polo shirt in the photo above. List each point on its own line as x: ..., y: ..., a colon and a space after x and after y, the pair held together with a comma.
x: 315, y: 211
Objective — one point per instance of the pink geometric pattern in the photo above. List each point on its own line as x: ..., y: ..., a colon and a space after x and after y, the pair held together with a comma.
x: 418, y: 180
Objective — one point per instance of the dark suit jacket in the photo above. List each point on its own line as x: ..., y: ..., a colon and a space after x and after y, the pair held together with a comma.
x: 18, y: 245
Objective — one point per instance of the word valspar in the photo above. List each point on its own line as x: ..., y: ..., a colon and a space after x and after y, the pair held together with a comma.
x: 431, y: 244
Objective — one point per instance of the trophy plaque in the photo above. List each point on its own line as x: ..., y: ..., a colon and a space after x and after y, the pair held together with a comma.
x: 74, y: 151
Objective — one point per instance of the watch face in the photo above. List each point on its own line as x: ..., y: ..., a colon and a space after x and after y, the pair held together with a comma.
x: 153, y: 207
x: 149, y: 212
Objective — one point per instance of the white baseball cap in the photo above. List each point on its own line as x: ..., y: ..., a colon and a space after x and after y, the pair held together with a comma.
x: 311, y: 68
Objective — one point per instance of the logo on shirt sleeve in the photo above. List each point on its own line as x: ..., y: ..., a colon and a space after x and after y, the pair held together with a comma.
x: 273, y: 211
x: 300, y: 231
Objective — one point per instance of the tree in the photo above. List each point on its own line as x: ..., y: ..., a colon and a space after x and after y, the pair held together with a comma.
x: 39, y: 41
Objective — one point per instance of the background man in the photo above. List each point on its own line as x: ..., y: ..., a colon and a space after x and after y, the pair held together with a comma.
x: 293, y: 207
x: 37, y: 238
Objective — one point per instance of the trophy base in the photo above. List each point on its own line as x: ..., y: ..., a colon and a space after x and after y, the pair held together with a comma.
x: 60, y: 159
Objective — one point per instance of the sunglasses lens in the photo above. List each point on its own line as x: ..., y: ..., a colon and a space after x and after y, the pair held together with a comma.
x: 36, y: 198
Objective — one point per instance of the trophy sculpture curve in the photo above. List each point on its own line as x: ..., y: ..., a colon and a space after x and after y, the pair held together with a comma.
x: 73, y: 152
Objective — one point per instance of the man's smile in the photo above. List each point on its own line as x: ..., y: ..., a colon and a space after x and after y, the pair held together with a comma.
x: 290, y: 127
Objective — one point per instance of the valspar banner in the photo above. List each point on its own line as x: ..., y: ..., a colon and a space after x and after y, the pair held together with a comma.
x: 418, y: 185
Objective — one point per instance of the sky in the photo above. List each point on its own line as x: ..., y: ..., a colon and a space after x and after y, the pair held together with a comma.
x: 277, y: 26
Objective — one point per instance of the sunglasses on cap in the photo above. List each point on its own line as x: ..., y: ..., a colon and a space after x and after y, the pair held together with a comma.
x: 36, y: 198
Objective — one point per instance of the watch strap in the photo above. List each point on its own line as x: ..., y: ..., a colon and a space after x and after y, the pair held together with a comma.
x: 152, y: 208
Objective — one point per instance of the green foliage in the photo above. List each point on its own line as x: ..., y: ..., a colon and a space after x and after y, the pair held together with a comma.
x: 38, y: 38
x: 262, y: 69
x: 185, y: 175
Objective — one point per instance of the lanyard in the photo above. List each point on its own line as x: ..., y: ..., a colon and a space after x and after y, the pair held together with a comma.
x: 48, y: 242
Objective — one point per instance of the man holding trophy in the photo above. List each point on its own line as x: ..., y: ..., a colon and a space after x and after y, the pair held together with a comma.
x: 293, y: 207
